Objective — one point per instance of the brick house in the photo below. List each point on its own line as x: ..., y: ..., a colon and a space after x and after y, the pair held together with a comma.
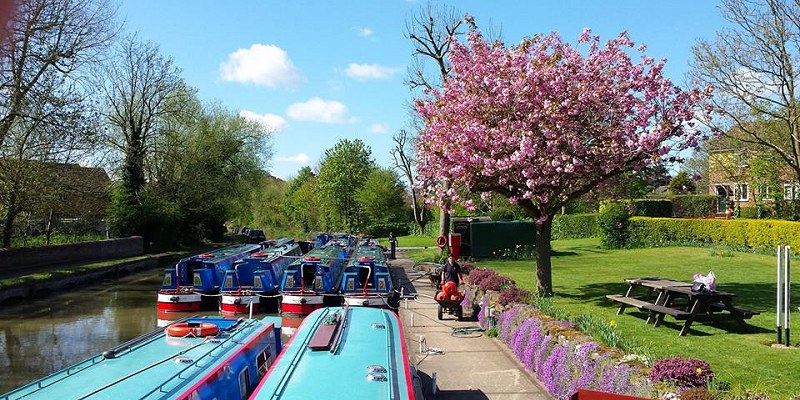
x: 731, y: 179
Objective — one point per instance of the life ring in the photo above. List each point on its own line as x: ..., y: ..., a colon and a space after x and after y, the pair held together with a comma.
x: 184, y: 329
x: 441, y: 241
x: 366, y: 259
x: 257, y: 255
x: 311, y: 259
x: 205, y: 255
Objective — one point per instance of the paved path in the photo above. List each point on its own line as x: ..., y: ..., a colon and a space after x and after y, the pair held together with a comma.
x: 469, y: 367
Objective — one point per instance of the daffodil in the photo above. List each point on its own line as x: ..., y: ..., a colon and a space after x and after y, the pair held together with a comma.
x: 699, y: 370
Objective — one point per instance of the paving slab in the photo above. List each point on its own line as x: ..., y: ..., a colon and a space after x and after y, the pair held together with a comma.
x: 471, y: 366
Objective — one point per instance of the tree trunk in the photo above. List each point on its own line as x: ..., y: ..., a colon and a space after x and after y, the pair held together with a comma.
x: 544, y: 281
x: 8, y: 223
x: 444, y: 223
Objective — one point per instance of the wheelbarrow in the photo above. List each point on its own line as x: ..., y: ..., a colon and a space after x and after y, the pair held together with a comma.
x: 450, y: 307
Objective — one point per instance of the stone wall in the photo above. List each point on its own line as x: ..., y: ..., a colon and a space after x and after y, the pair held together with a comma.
x: 71, y: 253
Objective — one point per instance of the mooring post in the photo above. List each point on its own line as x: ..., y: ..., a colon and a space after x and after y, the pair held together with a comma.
x: 787, y: 291
x: 779, y: 305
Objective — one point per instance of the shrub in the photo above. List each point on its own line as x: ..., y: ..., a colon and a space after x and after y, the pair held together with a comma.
x: 495, y: 282
x: 574, y: 226
x: 513, y: 294
x: 467, y: 268
x: 478, y: 275
x: 612, y: 223
x: 697, y: 394
x: 750, y: 212
x: 682, y: 372
x: 694, y: 206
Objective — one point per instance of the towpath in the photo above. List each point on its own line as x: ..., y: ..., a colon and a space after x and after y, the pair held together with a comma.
x: 467, y: 367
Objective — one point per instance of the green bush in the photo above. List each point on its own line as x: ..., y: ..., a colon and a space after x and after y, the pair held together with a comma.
x: 651, y: 208
x: 612, y: 224
x: 752, y: 233
x: 787, y: 210
x: 750, y: 212
x: 694, y: 206
x: 574, y: 226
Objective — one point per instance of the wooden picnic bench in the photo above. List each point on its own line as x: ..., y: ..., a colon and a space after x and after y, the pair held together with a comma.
x: 676, y: 298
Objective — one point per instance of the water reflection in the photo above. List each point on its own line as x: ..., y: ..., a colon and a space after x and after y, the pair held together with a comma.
x: 42, y: 336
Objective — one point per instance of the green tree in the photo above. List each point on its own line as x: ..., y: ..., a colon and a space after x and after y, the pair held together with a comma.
x: 303, y: 175
x: 343, y: 172
x: 682, y: 183
x: 306, y: 205
x: 381, y: 199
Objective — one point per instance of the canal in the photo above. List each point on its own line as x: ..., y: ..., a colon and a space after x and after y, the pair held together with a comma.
x: 44, y: 335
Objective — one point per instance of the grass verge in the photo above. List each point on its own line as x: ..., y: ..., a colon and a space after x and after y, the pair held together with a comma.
x: 583, y: 274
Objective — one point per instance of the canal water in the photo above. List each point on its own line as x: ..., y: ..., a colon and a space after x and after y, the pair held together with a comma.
x: 45, y: 335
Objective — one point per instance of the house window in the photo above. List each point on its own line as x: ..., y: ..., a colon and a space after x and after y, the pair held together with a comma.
x: 741, y: 192
x: 791, y: 191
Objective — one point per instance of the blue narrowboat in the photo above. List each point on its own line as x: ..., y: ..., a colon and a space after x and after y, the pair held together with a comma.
x: 185, y: 285
x: 308, y: 280
x: 343, y: 353
x: 366, y: 280
x: 195, y: 358
x: 254, y: 279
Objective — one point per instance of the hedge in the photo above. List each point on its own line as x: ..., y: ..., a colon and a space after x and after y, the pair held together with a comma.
x: 754, y: 234
x: 574, y: 226
x: 651, y: 208
x: 694, y: 206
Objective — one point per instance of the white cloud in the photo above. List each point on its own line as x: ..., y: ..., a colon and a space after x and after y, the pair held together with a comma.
x: 366, y: 33
x: 318, y: 110
x: 262, y: 64
x: 370, y: 71
x: 301, y: 158
x: 271, y: 122
x: 378, y: 128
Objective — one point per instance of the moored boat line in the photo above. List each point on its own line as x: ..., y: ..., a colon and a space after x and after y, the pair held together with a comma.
x: 253, y: 280
x: 200, y: 357
x: 191, y: 283
x: 366, y: 280
x: 309, y: 280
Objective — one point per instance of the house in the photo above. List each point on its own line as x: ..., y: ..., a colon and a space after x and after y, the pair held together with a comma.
x: 742, y: 177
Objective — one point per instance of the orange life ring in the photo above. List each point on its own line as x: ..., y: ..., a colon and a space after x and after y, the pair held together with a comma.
x: 183, y: 329
x: 311, y: 258
x: 205, y: 255
x: 441, y: 241
x: 366, y: 259
x: 259, y: 255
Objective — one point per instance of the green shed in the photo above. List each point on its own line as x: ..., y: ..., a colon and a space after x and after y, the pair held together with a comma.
x: 488, y: 238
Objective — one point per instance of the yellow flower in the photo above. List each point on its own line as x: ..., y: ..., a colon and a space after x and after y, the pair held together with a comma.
x: 699, y: 370
x: 613, y: 323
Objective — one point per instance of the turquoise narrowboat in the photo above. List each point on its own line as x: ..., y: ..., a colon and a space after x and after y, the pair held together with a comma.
x: 195, y: 358
x: 342, y: 353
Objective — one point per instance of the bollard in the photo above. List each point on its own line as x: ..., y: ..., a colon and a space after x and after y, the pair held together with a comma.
x: 412, y: 319
x: 433, y: 383
x: 422, y: 345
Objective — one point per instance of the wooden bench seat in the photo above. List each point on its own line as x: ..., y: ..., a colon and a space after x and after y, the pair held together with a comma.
x: 678, y: 314
x: 631, y: 301
x: 744, y: 312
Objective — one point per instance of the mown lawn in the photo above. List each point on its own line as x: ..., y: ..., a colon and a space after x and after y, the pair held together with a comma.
x: 583, y: 274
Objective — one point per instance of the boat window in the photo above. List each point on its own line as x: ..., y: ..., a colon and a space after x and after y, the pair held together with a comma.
x: 244, y: 383
x: 167, y: 279
x: 228, y: 282
x: 257, y: 282
x: 264, y: 362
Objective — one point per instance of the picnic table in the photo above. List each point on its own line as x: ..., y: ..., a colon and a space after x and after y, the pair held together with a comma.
x: 676, y: 298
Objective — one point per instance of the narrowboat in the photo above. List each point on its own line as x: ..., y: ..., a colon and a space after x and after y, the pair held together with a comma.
x: 366, y: 280
x: 342, y: 353
x: 318, y: 274
x: 185, y: 285
x: 253, y: 280
x: 195, y: 358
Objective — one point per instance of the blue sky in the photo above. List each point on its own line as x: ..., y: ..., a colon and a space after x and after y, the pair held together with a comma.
x: 321, y: 71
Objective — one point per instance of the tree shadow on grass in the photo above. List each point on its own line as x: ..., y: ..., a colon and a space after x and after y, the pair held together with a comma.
x: 754, y: 296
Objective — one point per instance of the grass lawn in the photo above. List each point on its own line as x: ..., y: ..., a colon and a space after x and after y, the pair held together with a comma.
x: 583, y: 274
x: 412, y: 241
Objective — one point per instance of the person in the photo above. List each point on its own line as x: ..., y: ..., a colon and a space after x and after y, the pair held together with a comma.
x: 451, y: 272
x: 392, y: 245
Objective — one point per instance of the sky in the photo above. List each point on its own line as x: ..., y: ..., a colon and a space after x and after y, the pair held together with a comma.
x: 316, y: 72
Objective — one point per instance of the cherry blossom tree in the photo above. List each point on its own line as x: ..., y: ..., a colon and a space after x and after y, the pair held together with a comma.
x: 545, y: 122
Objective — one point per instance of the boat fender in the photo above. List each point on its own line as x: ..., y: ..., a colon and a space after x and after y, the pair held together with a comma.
x: 109, y: 354
x: 184, y: 329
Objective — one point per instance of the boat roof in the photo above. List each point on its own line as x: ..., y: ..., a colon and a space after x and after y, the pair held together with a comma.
x: 375, y: 252
x: 370, y: 338
x: 151, y: 366
x: 326, y: 254
x: 220, y: 254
